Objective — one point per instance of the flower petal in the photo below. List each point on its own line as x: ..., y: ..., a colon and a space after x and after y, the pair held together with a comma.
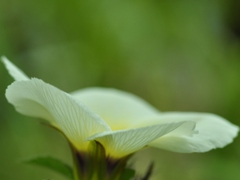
x: 213, y: 132
x: 75, y: 120
x: 119, y: 109
x: 14, y: 71
x: 124, y: 142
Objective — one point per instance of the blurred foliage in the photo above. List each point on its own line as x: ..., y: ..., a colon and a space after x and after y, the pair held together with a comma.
x: 178, y: 55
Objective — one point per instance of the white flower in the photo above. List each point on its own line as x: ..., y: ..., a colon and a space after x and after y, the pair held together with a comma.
x: 120, y: 121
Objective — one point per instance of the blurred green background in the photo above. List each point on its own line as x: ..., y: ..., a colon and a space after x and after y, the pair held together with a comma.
x: 178, y: 55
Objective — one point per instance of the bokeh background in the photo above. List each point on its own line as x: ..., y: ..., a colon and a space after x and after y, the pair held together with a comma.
x: 178, y: 55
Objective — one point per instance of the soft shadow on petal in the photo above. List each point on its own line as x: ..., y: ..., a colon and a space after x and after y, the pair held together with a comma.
x: 39, y: 99
x: 14, y: 71
x: 124, y: 142
x: 118, y: 108
x: 212, y: 132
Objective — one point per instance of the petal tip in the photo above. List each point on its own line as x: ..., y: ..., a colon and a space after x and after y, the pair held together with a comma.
x: 5, y: 60
x: 13, y: 70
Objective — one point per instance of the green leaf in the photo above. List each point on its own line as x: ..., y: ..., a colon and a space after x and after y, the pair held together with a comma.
x: 51, y: 163
x: 127, y: 174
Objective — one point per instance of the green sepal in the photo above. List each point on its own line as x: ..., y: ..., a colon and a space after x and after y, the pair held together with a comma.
x: 95, y: 165
x: 149, y: 172
x: 52, y: 164
x: 98, y: 160
x: 115, y: 167
x: 90, y: 165
x: 127, y: 174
